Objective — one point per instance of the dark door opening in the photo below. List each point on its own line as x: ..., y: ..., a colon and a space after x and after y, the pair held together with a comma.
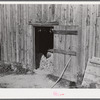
x: 43, y: 42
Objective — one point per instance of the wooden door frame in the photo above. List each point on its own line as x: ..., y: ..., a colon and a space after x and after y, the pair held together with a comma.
x: 69, y: 28
x: 34, y: 25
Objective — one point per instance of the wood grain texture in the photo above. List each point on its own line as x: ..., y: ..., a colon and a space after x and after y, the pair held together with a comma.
x: 92, y: 73
x: 64, y: 32
x: 72, y: 53
x: 15, y: 37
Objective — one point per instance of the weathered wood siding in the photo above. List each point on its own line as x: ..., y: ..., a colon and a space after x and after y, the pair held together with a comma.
x: 15, y: 35
x: 67, y: 43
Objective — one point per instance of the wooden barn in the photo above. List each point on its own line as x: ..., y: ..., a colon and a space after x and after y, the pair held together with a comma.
x: 71, y: 30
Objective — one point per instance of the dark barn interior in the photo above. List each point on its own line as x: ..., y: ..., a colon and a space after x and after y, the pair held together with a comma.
x: 43, y: 42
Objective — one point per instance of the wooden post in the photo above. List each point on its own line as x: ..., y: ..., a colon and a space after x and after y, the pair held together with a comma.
x: 31, y: 47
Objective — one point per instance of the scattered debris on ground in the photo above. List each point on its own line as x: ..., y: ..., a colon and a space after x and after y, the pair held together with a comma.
x: 17, y: 75
x: 46, y: 63
x: 14, y: 75
x: 13, y: 67
x: 37, y: 80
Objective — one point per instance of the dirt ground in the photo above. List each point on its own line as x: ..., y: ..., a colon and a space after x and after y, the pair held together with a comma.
x: 16, y: 76
x: 37, y: 80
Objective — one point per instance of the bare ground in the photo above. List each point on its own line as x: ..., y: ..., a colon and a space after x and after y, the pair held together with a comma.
x: 37, y: 80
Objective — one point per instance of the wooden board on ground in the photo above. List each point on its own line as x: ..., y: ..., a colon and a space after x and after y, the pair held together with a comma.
x: 92, y: 73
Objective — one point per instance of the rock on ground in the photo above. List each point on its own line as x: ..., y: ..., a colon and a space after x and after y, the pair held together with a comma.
x: 47, y: 63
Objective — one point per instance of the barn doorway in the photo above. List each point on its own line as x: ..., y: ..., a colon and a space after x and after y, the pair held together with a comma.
x: 43, y: 42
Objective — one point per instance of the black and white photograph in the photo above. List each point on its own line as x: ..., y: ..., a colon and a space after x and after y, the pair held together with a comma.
x: 50, y: 46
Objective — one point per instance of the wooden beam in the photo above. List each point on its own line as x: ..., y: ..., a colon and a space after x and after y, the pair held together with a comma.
x: 48, y: 24
x: 72, y: 53
x: 65, y: 32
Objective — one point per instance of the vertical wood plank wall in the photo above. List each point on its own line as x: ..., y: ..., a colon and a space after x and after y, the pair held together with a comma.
x: 16, y: 38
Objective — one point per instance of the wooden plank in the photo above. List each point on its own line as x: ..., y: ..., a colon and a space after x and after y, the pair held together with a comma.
x: 39, y: 13
x: 92, y: 78
x: 8, y: 39
x: 94, y: 14
x: 98, y: 11
x: 5, y: 36
x: 73, y: 44
x: 67, y: 44
x: 68, y: 14
x: 97, y: 38
x: 33, y: 11
x: 33, y: 16
x: 44, y: 13
x: 80, y: 68
x: 92, y: 73
x: 33, y: 41
x: 58, y: 58
x: 72, y: 53
x: 30, y: 13
x: 92, y: 31
x: 48, y: 24
x: 76, y: 68
x: 14, y: 31
x: 23, y: 24
x: 55, y: 57
x: 63, y: 14
x: 58, y: 13
x: 25, y: 32
x: 51, y: 11
x: 22, y: 34
x: 11, y: 34
x: 30, y: 47
x: 95, y: 60
x: 83, y: 37
x: 28, y: 40
x: 94, y: 70
x: 17, y: 35
x: 65, y: 32
x: 61, y: 41
x: 71, y: 14
x: 63, y: 22
x: 87, y: 35
x: 2, y: 35
x: 27, y: 28
x: 6, y: 30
